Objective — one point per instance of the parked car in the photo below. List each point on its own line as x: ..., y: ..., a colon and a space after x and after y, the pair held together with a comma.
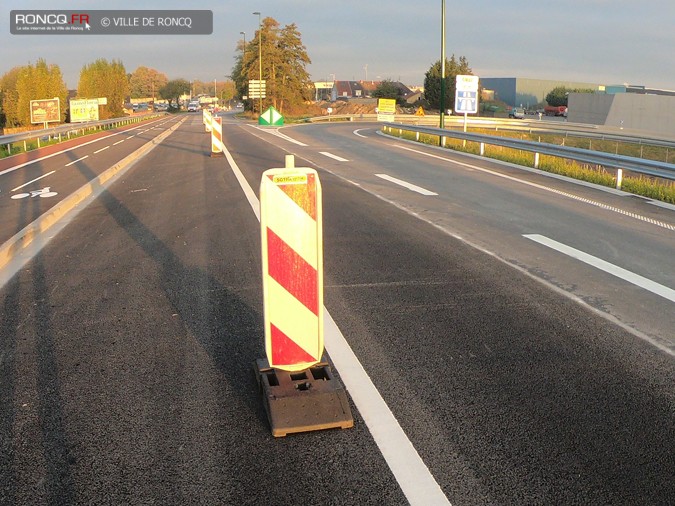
x: 517, y: 113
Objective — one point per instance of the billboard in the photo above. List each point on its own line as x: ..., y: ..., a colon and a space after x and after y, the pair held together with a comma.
x: 386, y: 109
x: 84, y: 109
x: 45, y: 110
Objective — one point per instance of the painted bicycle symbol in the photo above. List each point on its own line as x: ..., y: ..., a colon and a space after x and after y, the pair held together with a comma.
x: 45, y: 192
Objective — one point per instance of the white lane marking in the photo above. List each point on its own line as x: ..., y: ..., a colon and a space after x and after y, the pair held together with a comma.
x: 631, y: 277
x: 285, y: 137
x: 21, y: 165
x: 667, y: 348
x: 36, y: 179
x: 356, y: 132
x: 132, y: 136
x: 102, y: 149
x: 407, y: 185
x: 334, y: 157
x: 120, y: 141
x: 411, y: 473
x: 630, y: 214
x: 78, y: 160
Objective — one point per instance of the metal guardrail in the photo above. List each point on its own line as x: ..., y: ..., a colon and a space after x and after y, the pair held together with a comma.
x: 67, y: 129
x: 619, y: 162
x: 527, y: 125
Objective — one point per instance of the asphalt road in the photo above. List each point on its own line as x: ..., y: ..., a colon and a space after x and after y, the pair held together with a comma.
x: 515, y: 372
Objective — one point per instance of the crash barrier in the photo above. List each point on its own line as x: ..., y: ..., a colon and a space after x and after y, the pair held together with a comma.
x: 65, y: 132
x: 615, y: 161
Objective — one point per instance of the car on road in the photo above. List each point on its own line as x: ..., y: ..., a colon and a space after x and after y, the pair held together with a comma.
x: 517, y: 113
x: 193, y: 107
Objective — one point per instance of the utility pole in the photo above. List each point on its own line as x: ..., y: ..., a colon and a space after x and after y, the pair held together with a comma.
x: 259, y: 58
x: 442, y: 116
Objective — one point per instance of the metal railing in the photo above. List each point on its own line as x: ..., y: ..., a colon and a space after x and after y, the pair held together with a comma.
x: 68, y: 129
x: 615, y: 161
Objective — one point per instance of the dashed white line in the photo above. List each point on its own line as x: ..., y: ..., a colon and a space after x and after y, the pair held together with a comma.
x: 334, y: 157
x: 631, y: 277
x: 36, y: 179
x: 102, y: 149
x: 618, y: 210
x: 407, y: 185
x: 120, y: 141
x: 78, y: 160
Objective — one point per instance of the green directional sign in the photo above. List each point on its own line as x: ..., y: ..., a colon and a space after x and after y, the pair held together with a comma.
x: 271, y: 117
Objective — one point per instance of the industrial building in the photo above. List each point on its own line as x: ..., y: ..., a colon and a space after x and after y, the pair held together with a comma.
x: 526, y: 93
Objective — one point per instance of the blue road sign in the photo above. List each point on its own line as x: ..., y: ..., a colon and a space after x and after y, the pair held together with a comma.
x: 466, y: 102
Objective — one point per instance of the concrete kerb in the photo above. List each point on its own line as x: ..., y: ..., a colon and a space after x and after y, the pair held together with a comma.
x: 22, y: 239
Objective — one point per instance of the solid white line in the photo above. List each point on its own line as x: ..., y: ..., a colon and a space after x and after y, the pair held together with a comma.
x: 658, y: 223
x: 411, y: 473
x: 16, y: 167
x: 356, y: 132
x: 78, y: 160
x: 102, y: 149
x: 120, y: 141
x: 279, y: 134
x: 631, y: 277
x: 36, y: 179
x: 334, y: 157
x: 407, y: 185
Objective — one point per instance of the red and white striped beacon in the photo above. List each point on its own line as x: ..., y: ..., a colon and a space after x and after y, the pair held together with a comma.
x: 292, y: 258
x: 217, y: 145
x: 206, y: 118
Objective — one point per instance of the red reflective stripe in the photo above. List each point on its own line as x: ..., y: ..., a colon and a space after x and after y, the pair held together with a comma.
x: 292, y: 272
x: 287, y: 351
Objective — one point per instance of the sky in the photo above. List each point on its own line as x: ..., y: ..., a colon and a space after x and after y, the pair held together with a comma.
x: 590, y: 41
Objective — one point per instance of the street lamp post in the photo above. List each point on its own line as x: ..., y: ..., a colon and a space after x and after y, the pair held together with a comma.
x: 259, y: 59
x: 442, y: 117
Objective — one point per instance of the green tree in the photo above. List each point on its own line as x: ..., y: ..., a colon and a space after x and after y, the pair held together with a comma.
x: 432, y: 81
x: 146, y: 82
x: 559, y: 95
x: 10, y: 98
x: 105, y: 79
x: 226, y: 91
x: 39, y: 81
x: 173, y: 90
x: 284, y: 66
x: 388, y: 89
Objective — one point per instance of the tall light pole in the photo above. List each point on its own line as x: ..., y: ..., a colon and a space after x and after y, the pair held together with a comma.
x: 442, y: 120
x: 259, y: 59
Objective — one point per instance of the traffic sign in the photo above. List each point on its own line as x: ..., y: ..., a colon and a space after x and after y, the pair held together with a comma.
x: 466, y: 83
x: 466, y: 102
x: 271, y: 117
x: 257, y: 88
